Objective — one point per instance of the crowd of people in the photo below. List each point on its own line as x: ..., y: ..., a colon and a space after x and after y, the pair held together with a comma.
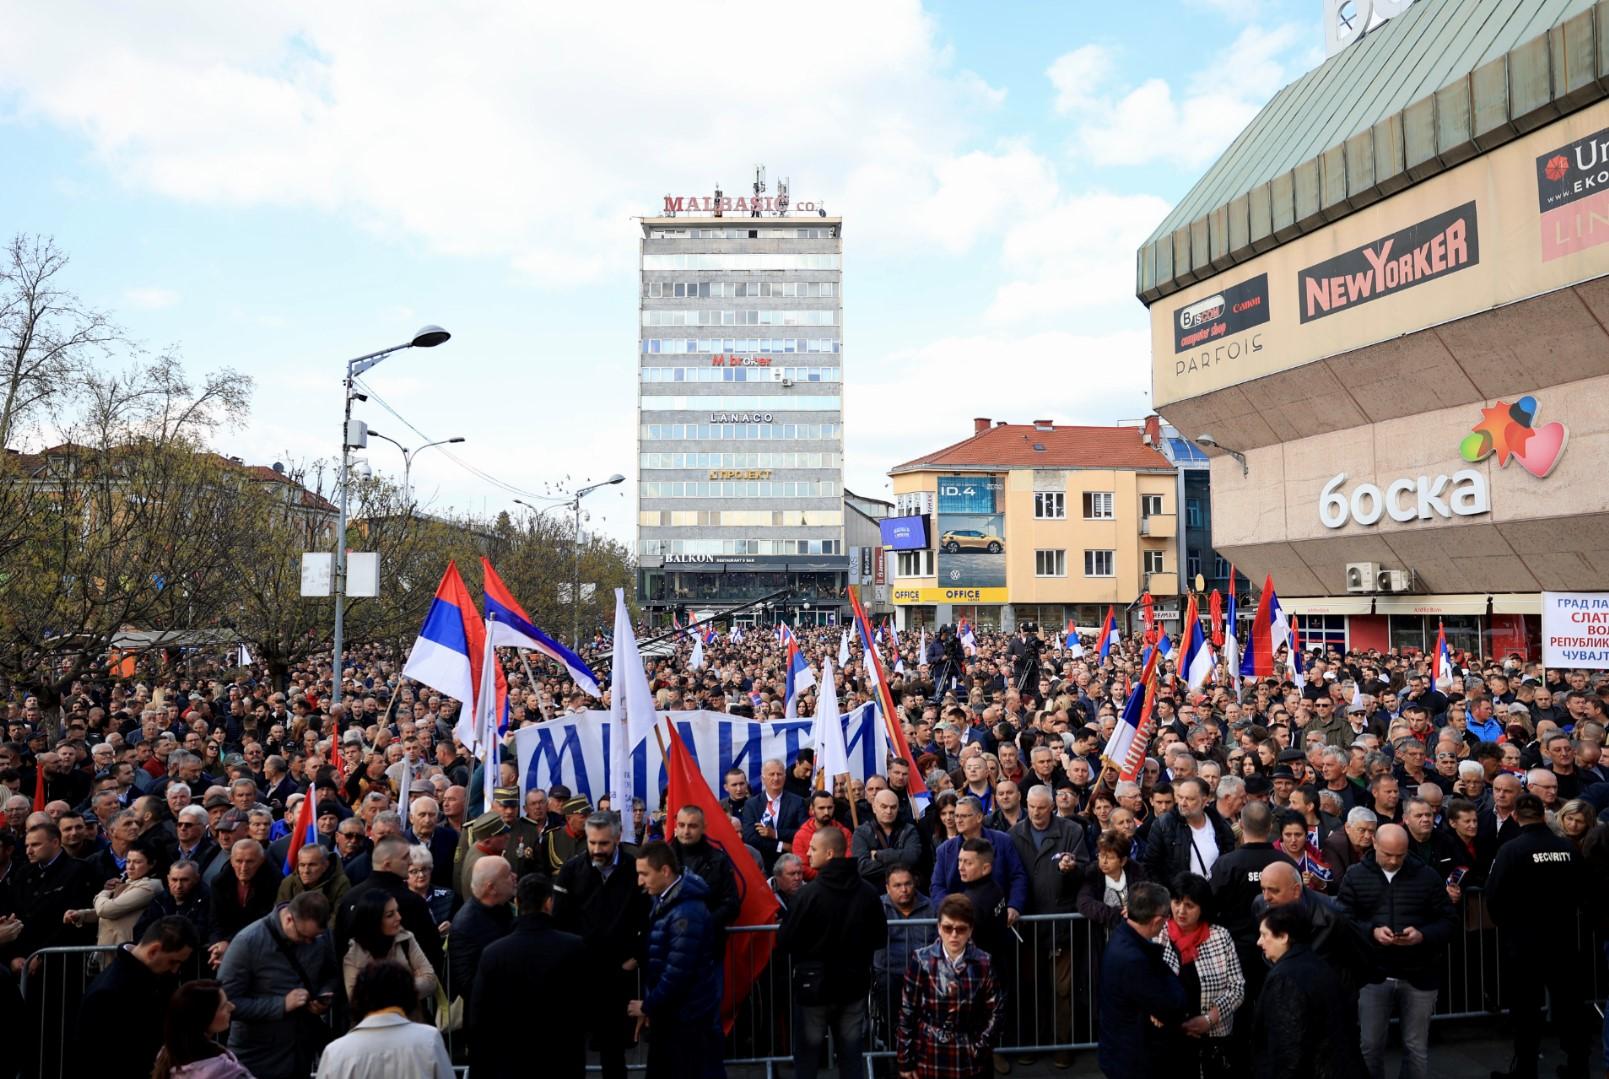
x: 1289, y: 871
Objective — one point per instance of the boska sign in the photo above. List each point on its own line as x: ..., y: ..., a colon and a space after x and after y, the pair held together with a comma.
x: 1463, y: 494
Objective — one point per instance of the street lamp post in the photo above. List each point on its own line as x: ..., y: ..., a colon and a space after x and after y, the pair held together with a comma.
x: 408, y: 455
x: 427, y: 337
x: 575, y: 576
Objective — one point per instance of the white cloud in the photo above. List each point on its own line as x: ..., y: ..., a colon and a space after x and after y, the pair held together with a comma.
x: 1077, y: 76
x: 528, y: 133
x: 1156, y: 122
x: 911, y: 402
x: 150, y: 299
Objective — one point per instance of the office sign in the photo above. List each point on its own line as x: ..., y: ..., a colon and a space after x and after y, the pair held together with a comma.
x: 906, y: 596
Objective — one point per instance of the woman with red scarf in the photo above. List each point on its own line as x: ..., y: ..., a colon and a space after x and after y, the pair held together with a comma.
x: 1203, y: 956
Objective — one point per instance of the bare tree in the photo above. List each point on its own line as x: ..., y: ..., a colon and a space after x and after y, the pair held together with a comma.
x: 47, y: 336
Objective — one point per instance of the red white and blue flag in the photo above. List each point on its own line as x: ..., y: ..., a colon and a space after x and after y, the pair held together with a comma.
x: 446, y: 654
x: 1298, y: 668
x: 1269, y: 632
x: 968, y: 641
x: 1126, y: 748
x: 915, y: 788
x: 800, y: 676
x: 1444, y: 658
x: 1109, y: 635
x: 513, y: 628
x: 1194, y: 660
x: 304, y: 833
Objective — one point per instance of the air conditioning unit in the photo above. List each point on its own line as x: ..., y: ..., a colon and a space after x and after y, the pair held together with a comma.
x: 1361, y: 576
x: 1394, y: 580
x: 787, y: 383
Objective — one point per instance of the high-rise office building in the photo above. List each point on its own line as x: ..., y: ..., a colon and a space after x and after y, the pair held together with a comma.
x: 740, y: 411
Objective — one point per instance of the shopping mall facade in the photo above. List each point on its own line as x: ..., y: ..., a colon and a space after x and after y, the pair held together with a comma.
x: 1387, y: 298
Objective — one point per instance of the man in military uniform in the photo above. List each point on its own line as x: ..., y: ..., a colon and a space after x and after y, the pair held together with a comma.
x: 526, y: 847
x: 484, y: 836
x: 565, y: 843
x: 1538, y: 871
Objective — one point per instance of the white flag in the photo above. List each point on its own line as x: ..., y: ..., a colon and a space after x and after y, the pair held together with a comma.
x: 698, y: 654
x: 843, y: 648
x: 921, y: 647
x: 403, y: 787
x: 486, y: 722
x: 827, y: 733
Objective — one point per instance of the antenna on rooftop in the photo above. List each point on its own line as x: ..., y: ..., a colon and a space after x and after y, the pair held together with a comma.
x: 782, y: 196
x: 759, y: 189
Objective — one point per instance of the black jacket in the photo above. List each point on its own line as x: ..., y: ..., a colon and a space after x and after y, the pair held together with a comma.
x: 836, y: 920
x: 197, y: 910
x: 229, y: 915
x: 1237, y: 883
x: 1298, y: 1032
x: 1336, y: 940
x: 120, y: 1020
x: 715, y: 868
x: 1168, y: 850
x: 42, y: 894
x: 609, y: 915
x: 416, y: 916
x: 529, y: 965
x: 791, y: 814
x: 1417, y: 897
x: 475, y: 928
x: 1535, y: 871
x: 1050, y: 889
x: 1135, y: 986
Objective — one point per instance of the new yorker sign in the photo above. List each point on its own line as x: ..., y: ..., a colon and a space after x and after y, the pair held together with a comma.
x: 1433, y: 248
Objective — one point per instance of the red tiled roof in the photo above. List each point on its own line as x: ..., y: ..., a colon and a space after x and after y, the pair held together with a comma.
x: 1011, y: 445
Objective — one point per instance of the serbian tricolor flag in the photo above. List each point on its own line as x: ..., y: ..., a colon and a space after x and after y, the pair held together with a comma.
x: 449, y: 652
x: 1126, y: 748
x: 885, y: 704
x: 1298, y: 668
x: 514, y: 629
x: 969, y: 643
x: 1231, y: 641
x: 304, y: 833
x: 1269, y: 631
x: 1444, y: 659
x: 1109, y: 635
x: 746, y: 953
x: 1194, y: 655
x: 800, y: 677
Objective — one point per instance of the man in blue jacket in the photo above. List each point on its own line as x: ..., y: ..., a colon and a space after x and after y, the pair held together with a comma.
x: 1141, y: 1000
x: 681, y: 1006
x: 1008, y: 871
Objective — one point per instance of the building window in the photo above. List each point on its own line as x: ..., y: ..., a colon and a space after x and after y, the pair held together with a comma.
x: 1100, y: 563
x: 1098, y: 507
x: 913, y: 564
x: 1151, y: 505
x: 1049, y: 506
x: 1220, y: 569
x: 1192, y: 513
x: 1193, y: 566
x: 1050, y: 563
x: 1153, y: 562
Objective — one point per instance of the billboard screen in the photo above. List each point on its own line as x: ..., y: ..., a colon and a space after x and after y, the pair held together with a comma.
x: 904, y: 533
x: 971, y: 541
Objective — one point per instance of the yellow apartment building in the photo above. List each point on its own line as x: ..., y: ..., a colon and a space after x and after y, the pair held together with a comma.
x: 1036, y: 521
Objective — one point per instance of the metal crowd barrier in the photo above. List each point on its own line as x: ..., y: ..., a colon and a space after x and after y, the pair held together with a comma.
x: 1052, y: 968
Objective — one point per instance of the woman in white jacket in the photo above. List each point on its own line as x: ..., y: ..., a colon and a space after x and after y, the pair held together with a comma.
x: 385, y: 1044
x: 118, y: 907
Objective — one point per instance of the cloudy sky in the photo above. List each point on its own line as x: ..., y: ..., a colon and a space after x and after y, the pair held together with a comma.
x: 277, y: 187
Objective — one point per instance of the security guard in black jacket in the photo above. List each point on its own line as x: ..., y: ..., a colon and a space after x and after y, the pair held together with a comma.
x: 596, y: 897
x: 1237, y: 883
x: 1534, y: 895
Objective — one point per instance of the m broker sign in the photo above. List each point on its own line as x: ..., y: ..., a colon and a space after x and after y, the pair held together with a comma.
x: 1433, y: 248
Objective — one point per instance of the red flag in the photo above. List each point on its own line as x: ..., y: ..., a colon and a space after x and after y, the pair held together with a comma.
x: 39, y: 786
x: 746, y: 952
x: 1215, y: 604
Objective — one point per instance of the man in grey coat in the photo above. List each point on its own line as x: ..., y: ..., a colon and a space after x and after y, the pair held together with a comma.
x: 280, y: 973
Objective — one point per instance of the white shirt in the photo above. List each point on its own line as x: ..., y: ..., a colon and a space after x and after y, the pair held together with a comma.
x: 387, y: 1046
x: 1204, y: 848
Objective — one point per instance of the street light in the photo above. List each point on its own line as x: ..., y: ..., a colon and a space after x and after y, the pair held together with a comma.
x: 427, y: 337
x: 1208, y: 442
x: 575, y: 576
x: 408, y: 455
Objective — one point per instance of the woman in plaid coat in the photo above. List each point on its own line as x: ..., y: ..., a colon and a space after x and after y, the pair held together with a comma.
x: 951, y: 1008
x: 1204, y: 957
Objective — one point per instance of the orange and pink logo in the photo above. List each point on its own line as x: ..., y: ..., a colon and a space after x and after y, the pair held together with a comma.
x: 1505, y: 430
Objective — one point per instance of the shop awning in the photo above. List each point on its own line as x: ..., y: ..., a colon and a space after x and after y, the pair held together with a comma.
x: 1321, y: 604
x: 1517, y: 603
x: 1473, y: 603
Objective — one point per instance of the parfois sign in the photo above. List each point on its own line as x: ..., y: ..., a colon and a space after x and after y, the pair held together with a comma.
x: 1433, y: 248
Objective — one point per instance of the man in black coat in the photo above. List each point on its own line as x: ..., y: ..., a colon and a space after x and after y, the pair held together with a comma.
x: 1401, y: 905
x: 488, y: 916
x: 597, y: 898
x: 120, y: 1018
x: 390, y: 875
x: 51, y: 884
x: 1142, y: 1002
x: 244, y: 891
x: 832, y: 929
x: 1237, y: 884
x: 1539, y: 871
x: 696, y: 854
x: 529, y: 964
x: 1190, y: 837
x: 772, y: 815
